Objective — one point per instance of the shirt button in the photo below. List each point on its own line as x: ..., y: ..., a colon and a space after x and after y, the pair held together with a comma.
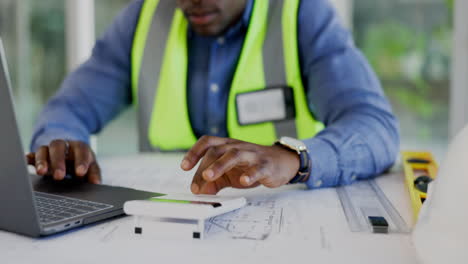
x: 214, y: 88
x: 221, y: 40
x: 318, y: 183
x: 214, y: 130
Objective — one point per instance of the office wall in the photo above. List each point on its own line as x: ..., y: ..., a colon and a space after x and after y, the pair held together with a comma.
x: 408, y: 43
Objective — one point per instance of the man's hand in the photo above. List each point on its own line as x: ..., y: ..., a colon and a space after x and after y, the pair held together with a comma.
x: 62, y: 156
x: 233, y: 163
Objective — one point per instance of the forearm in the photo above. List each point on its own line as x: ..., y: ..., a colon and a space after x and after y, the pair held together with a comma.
x: 88, y: 99
x: 363, y: 143
x: 361, y: 138
x: 97, y: 91
x: 63, y: 118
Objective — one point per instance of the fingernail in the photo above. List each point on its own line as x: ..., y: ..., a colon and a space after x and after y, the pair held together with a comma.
x: 40, y: 167
x: 194, y: 188
x: 246, y: 180
x: 59, y: 175
x: 185, y: 164
x: 81, y: 170
x: 209, y: 174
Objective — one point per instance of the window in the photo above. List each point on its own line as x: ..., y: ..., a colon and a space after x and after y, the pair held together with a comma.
x: 33, y: 34
x: 408, y: 43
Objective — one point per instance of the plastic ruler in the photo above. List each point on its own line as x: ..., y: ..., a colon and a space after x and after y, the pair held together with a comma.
x: 365, y: 199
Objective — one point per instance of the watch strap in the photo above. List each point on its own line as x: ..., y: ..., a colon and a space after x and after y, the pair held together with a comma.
x: 304, y: 168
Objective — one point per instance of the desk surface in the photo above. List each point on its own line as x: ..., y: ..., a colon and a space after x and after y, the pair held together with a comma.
x: 314, y: 227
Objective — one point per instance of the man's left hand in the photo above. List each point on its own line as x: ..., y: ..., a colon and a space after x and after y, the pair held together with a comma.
x: 238, y: 164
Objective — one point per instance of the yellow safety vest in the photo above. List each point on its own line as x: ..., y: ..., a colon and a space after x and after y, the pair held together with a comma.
x: 269, y: 57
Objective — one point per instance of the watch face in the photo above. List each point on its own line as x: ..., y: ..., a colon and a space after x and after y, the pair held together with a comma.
x: 293, y: 143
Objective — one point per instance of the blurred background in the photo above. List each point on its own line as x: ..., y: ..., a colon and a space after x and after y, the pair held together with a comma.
x: 408, y: 42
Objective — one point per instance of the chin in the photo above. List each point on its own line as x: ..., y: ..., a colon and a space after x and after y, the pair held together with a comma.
x: 207, y: 31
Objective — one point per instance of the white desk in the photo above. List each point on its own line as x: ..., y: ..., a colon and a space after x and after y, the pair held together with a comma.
x: 314, y: 229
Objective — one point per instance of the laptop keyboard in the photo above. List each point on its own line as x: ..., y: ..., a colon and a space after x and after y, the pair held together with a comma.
x: 54, y: 208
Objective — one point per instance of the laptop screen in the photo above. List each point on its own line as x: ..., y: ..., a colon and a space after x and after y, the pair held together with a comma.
x: 16, y: 197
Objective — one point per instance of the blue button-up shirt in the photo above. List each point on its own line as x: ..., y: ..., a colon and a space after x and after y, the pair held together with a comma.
x: 361, y: 139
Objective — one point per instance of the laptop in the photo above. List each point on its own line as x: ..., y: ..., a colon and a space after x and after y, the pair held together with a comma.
x: 39, y: 206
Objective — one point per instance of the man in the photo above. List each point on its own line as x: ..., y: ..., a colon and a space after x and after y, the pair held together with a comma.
x: 187, y: 71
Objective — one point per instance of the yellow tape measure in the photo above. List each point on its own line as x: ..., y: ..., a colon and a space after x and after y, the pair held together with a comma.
x: 420, y: 169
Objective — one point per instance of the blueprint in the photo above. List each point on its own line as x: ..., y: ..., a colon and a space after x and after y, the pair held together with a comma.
x: 259, y: 219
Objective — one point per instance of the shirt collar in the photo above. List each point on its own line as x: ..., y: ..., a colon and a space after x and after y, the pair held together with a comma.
x: 247, y: 13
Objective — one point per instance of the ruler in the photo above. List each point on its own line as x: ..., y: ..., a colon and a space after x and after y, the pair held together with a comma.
x: 420, y: 169
x: 365, y: 199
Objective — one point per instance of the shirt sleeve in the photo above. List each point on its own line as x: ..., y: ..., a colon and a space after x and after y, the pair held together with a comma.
x: 361, y: 139
x: 97, y: 91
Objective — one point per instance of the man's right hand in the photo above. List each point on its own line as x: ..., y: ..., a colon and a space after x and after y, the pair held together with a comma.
x: 61, y: 156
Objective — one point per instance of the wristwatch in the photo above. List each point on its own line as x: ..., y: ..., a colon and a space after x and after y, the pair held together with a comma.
x: 300, y: 148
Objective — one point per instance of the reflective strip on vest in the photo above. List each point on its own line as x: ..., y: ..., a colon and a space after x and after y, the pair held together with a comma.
x: 274, y: 68
x: 151, y: 65
x: 159, y: 73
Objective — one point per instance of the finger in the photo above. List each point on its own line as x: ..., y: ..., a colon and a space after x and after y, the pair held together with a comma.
x: 94, y: 173
x: 212, y: 188
x: 200, y: 148
x: 232, y: 158
x: 41, y: 160
x: 253, y: 176
x: 198, y: 182
x: 57, y: 156
x: 82, y: 157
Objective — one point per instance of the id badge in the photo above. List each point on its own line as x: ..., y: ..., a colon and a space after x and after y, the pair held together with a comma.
x: 267, y: 105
